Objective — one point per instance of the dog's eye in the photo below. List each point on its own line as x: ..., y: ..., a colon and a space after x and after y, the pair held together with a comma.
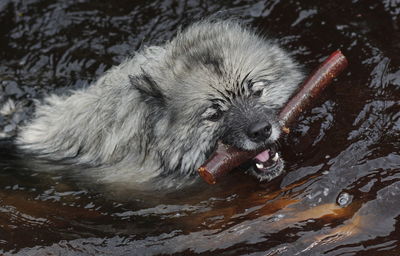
x: 258, y: 87
x: 215, y: 117
x: 212, y: 114
x: 258, y: 93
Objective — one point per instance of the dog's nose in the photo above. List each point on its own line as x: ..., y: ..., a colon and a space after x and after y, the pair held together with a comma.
x: 259, y: 131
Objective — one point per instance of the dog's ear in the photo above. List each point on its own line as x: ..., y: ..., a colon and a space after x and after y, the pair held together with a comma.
x: 148, y: 89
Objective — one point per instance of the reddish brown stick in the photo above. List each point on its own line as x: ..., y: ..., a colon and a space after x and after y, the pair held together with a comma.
x: 312, y: 88
x: 223, y: 159
x: 226, y: 158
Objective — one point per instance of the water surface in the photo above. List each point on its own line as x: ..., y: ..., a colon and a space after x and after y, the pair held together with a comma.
x: 341, y: 192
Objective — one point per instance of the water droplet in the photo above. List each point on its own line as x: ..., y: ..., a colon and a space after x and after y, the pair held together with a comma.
x: 344, y: 199
x: 277, y: 217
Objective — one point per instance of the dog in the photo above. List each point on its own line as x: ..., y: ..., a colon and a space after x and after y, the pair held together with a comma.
x: 159, y: 114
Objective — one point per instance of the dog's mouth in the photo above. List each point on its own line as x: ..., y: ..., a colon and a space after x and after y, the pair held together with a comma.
x: 267, y: 165
x: 266, y: 160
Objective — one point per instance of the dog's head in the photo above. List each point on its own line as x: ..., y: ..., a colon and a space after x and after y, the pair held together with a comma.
x: 218, y: 80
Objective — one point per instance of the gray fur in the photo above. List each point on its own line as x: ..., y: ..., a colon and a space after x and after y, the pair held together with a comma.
x: 160, y: 113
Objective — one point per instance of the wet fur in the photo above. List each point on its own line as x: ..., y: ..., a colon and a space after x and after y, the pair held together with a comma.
x: 151, y: 116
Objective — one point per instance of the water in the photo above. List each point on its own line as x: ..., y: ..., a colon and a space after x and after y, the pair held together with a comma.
x: 341, y: 192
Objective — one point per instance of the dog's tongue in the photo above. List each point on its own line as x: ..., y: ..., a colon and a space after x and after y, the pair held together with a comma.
x: 263, y: 156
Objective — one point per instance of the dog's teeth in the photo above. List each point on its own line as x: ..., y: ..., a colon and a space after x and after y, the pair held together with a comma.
x: 276, y: 157
x: 259, y: 165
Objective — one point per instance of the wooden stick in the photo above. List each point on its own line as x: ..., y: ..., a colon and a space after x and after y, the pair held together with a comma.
x: 312, y: 88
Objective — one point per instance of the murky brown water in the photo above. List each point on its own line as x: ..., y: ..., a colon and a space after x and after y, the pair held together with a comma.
x: 341, y: 193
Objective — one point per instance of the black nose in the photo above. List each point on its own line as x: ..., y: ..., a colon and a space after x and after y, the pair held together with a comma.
x: 259, y: 131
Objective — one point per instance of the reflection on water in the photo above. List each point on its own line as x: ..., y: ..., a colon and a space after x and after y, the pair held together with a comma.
x: 340, y: 196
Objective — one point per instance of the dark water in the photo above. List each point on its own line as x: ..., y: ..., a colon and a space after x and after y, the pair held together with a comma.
x: 341, y: 193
